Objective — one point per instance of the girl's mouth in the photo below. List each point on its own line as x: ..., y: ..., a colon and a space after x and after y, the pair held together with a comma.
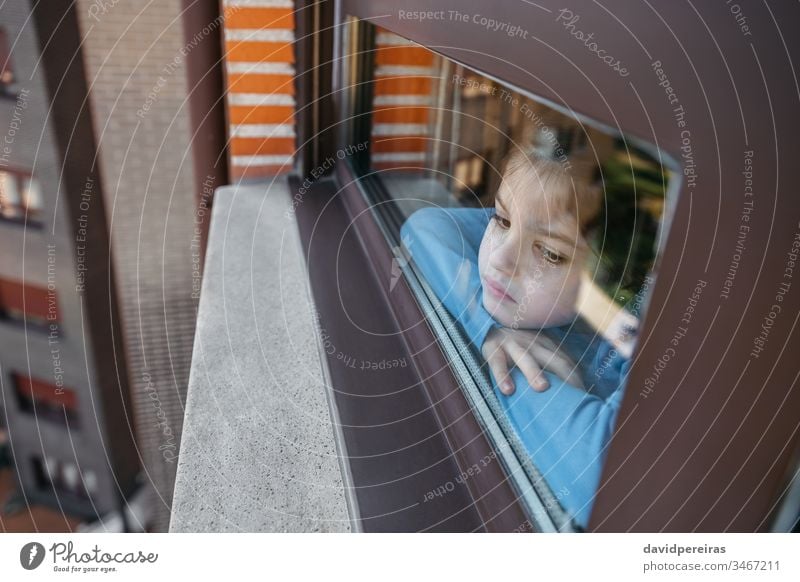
x: 497, y: 291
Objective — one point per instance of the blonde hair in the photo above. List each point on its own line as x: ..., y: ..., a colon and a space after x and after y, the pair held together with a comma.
x: 562, y: 191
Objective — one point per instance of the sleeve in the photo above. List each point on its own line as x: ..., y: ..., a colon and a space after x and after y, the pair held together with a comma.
x: 566, y: 431
x: 444, y: 245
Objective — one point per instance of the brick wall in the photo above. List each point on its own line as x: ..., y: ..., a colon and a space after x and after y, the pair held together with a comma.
x: 135, y: 58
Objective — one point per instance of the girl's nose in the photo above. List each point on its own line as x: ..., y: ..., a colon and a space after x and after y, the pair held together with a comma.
x: 505, y: 256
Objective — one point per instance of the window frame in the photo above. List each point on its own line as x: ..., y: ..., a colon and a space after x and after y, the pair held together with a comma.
x: 534, y: 495
x: 632, y: 495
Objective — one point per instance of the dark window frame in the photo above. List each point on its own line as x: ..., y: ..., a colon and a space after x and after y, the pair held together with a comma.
x: 533, y: 493
x: 640, y: 491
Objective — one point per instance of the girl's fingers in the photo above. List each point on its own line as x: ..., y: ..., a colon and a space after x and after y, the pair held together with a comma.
x: 557, y: 362
x: 499, y: 367
x: 498, y: 363
x: 529, y: 367
x: 541, y: 341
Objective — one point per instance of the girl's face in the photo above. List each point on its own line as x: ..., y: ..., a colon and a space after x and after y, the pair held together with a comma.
x: 530, y: 260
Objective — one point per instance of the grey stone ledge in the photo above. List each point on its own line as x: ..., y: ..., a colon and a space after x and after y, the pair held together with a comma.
x: 260, y: 448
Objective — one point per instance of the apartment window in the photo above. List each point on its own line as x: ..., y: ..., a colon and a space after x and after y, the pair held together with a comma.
x: 23, y: 302
x: 63, y: 477
x: 531, y: 233
x: 6, y: 71
x: 51, y: 402
x: 20, y: 197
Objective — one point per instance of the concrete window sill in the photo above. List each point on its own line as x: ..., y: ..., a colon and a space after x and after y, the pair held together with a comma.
x: 259, y: 450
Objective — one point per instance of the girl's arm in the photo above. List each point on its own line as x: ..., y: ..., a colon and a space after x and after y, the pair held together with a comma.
x: 566, y: 431
x: 444, y: 245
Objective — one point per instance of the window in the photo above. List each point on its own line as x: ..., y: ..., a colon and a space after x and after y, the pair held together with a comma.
x: 64, y: 478
x: 20, y: 197
x: 6, y: 72
x: 50, y: 402
x: 529, y: 236
x: 21, y: 302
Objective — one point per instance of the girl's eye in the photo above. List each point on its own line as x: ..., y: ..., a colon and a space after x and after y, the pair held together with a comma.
x: 504, y: 223
x: 551, y: 256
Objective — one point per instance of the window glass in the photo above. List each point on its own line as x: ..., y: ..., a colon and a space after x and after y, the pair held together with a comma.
x: 6, y: 72
x: 20, y: 198
x: 9, y: 195
x: 31, y: 195
x: 63, y: 477
x: 535, y: 231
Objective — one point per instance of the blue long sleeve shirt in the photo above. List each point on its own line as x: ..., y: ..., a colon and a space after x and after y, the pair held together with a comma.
x: 565, y: 429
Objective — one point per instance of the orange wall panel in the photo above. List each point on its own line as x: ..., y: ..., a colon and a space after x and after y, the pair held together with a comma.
x: 256, y: 83
x: 259, y: 18
x: 401, y: 115
x: 254, y: 146
x: 260, y: 114
x: 259, y: 52
x: 403, y: 86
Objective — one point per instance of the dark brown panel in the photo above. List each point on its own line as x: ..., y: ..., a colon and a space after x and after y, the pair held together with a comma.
x: 397, y: 450
x: 205, y: 77
x: 316, y: 141
x: 495, y: 497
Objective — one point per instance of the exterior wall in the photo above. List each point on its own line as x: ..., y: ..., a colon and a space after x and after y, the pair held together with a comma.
x: 135, y: 57
x: 59, y: 355
x: 259, y: 58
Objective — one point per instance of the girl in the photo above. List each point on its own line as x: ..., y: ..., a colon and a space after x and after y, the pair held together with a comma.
x: 511, y: 277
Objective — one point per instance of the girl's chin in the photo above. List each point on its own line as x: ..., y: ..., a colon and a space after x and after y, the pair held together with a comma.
x: 509, y: 314
x: 503, y: 312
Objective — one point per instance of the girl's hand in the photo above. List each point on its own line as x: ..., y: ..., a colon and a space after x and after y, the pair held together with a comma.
x: 529, y: 351
x: 622, y: 332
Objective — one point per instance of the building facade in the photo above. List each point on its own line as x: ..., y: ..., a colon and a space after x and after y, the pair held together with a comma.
x: 102, y: 241
x: 64, y: 393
